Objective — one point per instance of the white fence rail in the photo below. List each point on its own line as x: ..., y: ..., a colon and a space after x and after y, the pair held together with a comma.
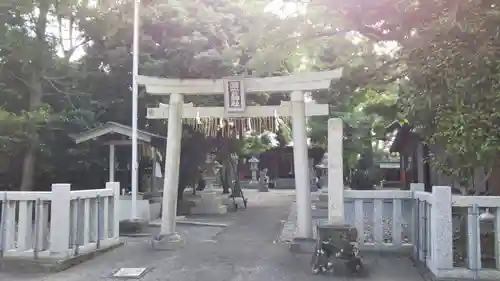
x: 478, y: 219
x: 428, y: 225
x: 60, y: 223
x: 382, y: 217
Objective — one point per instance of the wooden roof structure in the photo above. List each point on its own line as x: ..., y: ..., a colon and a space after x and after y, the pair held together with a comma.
x: 406, y: 137
x: 114, y: 128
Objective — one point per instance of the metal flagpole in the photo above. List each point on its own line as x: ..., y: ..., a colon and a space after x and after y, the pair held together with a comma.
x: 135, y: 100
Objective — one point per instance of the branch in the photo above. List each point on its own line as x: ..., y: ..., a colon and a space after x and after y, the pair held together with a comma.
x: 71, y: 24
x: 55, y: 78
x: 59, y: 25
x: 317, y: 35
x: 55, y: 87
x: 26, y: 83
x: 67, y: 95
x: 487, y: 176
x: 361, y: 78
x: 69, y: 53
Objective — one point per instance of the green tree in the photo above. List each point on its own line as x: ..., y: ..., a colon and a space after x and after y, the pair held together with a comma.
x: 179, y: 39
x: 37, y: 79
x: 445, y: 62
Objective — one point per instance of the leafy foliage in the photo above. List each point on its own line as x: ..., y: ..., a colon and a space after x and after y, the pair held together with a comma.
x: 69, y: 62
x: 65, y: 67
x: 445, y: 64
x: 256, y: 144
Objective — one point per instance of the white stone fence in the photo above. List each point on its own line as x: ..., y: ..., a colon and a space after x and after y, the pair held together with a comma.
x: 423, y: 223
x: 58, y: 224
x: 381, y: 218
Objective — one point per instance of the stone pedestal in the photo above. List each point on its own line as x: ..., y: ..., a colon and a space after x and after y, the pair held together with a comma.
x: 210, y: 203
x: 323, y: 181
x: 323, y: 195
x: 322, y: 202
x: 263, y: 187
x: 314, y: 186
x: 143, y: 208
x: 130, y: 226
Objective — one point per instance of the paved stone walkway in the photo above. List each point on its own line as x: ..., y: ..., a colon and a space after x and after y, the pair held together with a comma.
x: 246, y: 250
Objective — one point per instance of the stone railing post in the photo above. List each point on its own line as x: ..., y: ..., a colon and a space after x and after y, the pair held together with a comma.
x: 115, y: 186
x: 335, y: 172
x: 60, y: 219
x: 417, y: 187
x: 415, y: 219
x: 441, y: 230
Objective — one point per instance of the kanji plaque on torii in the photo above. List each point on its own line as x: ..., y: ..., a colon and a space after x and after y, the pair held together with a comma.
x: 234, y: 95
x: 234, y: 90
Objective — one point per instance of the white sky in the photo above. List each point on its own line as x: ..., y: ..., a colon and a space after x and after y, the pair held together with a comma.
x: 278, y: 7
x: 281, y: 8
x: 286, y: 9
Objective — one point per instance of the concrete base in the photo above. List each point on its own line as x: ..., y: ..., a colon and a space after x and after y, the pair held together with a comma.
x: 210, y: 203
x: 263, y: 188
x: 320, y: 205
x: 323, y: 195
x: 184, y: 207
x: 50, y: 265
x: 169, y: 242
x: 229, y: 202
x: 284, y: 183
x: 204, y: 210
x: 154, y: 210
x: 302, y: 245
x: 143, y: 208
x: 133, y: 227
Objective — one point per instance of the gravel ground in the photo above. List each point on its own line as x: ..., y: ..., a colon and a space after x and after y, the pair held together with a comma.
x: 246, y: 250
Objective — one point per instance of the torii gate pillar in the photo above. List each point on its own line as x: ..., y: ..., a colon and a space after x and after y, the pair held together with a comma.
x: 172, y: 164
x: 235, y: 107
x: 300, y: 162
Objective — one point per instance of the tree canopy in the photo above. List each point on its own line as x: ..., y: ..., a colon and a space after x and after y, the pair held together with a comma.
x: 65, y: 66
x: 443, y: 59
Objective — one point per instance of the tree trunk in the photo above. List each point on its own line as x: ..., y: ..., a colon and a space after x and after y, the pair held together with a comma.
x: 237, y: 186
x: 28, y: 172
x: 494, y: 181
x: 180, y: 193
x: 36, y: 95
x: 226, y: 178
x: 29, y: 161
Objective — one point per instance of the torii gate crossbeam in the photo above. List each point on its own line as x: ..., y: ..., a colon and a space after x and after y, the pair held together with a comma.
x: 234, y: 90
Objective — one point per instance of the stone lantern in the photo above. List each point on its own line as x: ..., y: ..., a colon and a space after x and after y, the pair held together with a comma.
x: 254, y: 168
x: 210, y: 202
x: 323, y: 167
x: 263, y: 181
x: 210, y: 172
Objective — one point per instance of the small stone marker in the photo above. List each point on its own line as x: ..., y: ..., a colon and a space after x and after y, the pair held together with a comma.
x: 130, y: 272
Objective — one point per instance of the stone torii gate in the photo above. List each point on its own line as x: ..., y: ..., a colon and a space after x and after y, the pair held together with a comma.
x: 235, y: 90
